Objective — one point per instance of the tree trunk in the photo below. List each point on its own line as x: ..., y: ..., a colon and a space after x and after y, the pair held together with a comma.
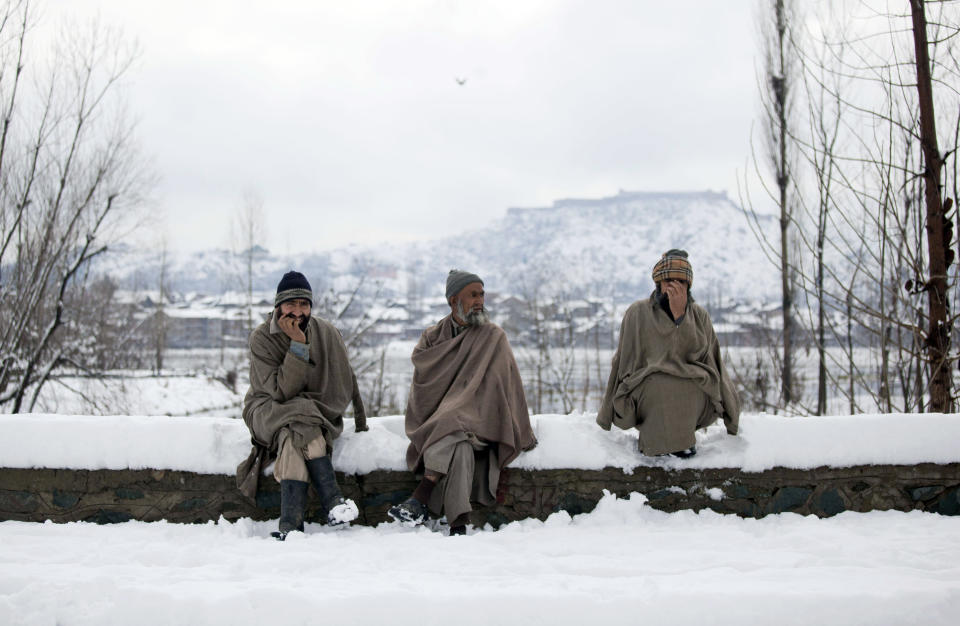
x: 821, y: 348
x: 938, y: 333
x: 779, y: 84
x: 850, y: 363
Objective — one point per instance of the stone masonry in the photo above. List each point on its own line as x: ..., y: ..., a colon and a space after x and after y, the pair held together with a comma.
x: 108, y: 496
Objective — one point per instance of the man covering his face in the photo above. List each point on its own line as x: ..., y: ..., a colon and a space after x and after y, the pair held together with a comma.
x: 667, y: 379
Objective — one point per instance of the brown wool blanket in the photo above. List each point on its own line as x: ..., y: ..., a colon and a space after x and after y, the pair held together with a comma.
x: 469, y: 383
x: 650, y: 343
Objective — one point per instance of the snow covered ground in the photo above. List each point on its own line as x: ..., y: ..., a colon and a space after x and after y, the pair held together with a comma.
x: 624, y: 563
x: 141, y: 393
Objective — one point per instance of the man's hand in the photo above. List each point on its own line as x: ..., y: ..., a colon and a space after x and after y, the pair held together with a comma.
x: 360, y: 423
x: 677, y: 293
x: 291, y: 328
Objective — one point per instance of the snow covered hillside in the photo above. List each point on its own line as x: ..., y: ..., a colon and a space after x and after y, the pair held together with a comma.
x: 603, y: 247
x: 608, y: 246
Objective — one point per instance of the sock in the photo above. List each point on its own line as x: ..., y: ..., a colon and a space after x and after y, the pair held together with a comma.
x: 422, y: 493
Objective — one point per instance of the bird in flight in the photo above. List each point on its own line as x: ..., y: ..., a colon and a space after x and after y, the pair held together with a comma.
x: 460, y: 81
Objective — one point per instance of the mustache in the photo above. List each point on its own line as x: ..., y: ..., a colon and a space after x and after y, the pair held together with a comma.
x: 302, y: 320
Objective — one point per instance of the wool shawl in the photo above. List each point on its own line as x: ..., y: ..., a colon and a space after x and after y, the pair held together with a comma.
x: 469, y: 383
x: 286, y: 391
x: 651, y: 342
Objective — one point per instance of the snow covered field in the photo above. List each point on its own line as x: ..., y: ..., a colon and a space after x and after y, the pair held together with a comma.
x: 624, y: 563
x: 193, y: 382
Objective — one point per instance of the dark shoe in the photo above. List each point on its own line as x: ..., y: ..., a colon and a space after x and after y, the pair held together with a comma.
x: 410, y: 512
x: 685, y: 454
x: 293, y: 502
x: 339, y: 510
x: 458, y: 530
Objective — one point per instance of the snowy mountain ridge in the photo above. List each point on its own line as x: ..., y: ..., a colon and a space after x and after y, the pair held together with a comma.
x: 608, y: 246
x: 602, y: 247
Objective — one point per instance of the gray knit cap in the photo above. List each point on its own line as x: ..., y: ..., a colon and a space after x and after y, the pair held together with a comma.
x: 457, y: 280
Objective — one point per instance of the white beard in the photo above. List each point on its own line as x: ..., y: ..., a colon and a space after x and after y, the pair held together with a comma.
x: 473, y: 318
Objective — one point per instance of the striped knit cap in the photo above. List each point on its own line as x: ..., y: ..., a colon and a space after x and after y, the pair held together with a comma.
x: 673, y: 264
x: 293, y: 285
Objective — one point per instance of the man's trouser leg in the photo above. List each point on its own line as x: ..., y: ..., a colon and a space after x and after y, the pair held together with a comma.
x: 669, y: 411
x: 292, y: 461
x: 290, y: 471
x: 463, y: 477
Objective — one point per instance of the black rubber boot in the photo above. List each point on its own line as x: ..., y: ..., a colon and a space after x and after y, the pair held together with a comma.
x: 293, y: 503
x: 340, y: 510
x: 459, y: 525
x: 410, y: 512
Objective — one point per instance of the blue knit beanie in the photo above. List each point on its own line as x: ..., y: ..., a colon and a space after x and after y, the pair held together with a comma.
x: 293, y: 285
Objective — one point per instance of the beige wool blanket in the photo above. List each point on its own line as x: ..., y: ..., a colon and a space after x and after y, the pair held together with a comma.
x: 650, y: 343
x: 469, y: 383
x: 285, y: 391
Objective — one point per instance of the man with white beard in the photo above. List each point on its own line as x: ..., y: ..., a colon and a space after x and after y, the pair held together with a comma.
x: 466, y: 412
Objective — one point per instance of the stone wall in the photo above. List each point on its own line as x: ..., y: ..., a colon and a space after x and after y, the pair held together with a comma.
x: 106, y: 496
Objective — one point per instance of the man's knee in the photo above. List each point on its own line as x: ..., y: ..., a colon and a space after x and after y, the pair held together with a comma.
x: 290, y: 464
x: 292, y: 459
x: 316, y: 449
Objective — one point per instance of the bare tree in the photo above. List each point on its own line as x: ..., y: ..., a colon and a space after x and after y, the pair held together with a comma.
x: 535, y: 357
x: 160, y: 314
x: 865, y: 166
x: 779, y: 74
x: 939, y: 229
x: 249, y: 234
x: 381, y: 392
x: 69, y: 177
x: 777, y: 26
x: 819, y: 151
x: 562, y: 341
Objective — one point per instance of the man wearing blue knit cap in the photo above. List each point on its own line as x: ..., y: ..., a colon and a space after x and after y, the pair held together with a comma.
x: 301, y: 382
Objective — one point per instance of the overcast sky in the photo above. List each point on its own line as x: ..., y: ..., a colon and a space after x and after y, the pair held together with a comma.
x: 347, y: 118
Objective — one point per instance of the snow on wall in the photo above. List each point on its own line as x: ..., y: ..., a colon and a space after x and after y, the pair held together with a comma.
x: 216, y: 445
